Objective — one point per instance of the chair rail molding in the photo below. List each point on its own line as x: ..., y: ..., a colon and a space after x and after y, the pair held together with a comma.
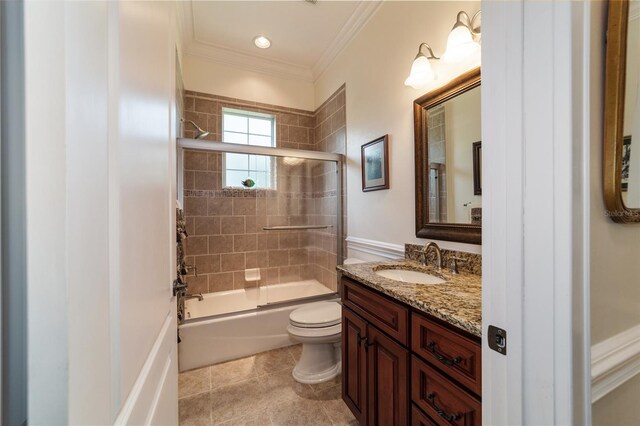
x: 376, y: 248
x: 614, y: 361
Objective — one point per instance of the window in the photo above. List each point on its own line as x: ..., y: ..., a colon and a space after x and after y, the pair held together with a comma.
x: 248, y: 128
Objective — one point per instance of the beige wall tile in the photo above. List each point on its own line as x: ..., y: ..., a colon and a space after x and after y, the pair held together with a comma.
x: 207, y: 181
x: 195, y: 206
x: 206, y: 225
x: 197, y: 284
x: 220, y: 244
x: 196, y: 245
x: 206, y: 106
x: 232, y: 262
x: 244, y: 206
x: 288, y: 240
x: 246, y: 242
x: 298, y: 257
x: 195, y: 160
x: 220, y: 282
x: 278, y: 258
x: 219, y: 206
x: 232, y: 225
x: 207, y: 264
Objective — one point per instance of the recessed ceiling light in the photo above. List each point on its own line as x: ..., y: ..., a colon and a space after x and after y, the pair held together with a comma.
x: 261, y: 42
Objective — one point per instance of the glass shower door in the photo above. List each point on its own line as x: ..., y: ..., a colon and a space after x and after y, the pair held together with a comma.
x: 301, y: 230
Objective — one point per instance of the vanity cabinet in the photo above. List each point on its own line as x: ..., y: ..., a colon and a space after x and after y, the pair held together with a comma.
x: 401, y: 366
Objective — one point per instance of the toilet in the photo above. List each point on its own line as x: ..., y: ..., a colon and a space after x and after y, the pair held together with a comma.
x: 318, y: 326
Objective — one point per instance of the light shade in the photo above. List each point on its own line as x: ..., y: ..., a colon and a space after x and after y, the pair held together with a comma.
x: 421, y: 73
x: 460, y: 45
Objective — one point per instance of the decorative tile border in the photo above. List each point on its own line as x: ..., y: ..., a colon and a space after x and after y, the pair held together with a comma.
x: 256, y: 193
x: 471, y: 262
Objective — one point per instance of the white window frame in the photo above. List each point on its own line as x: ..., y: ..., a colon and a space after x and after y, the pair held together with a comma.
x: 249, y: 114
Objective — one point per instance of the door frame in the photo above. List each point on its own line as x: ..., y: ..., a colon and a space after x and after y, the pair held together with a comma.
x: 535, y: 104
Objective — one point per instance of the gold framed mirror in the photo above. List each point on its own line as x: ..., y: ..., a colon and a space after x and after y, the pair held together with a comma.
x: 621, y: 153
x: 447, y: 131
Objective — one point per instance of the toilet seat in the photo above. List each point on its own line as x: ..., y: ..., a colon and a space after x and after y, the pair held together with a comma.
x: 318, y: 315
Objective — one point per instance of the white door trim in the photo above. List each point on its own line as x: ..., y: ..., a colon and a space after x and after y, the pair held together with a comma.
x: 535, y: 189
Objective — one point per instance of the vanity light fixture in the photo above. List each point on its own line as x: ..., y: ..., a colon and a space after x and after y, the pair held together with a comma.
x: 464, y: 38
x: 261, y: 42
x: 421, y: 72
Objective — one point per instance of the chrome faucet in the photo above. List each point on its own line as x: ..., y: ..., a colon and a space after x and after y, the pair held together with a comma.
x: 425, y: 251
x: 194, y: 296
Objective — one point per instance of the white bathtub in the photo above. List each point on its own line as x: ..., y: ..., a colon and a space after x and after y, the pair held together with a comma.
x: 229, y: 325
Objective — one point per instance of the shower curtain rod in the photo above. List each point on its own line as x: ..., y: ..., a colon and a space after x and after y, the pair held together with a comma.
x: 200, y: 145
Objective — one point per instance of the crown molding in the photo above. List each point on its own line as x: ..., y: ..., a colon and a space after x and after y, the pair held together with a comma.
x: 358, y: 19
x: 251, y: 62
x: 247, y: 62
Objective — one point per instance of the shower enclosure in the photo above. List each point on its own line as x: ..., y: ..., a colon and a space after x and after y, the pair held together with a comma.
x: 264, y: 225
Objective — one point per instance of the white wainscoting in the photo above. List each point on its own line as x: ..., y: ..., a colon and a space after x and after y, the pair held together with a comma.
x: 614, y: 361
x: 151, y: 399
x: 372, y: 250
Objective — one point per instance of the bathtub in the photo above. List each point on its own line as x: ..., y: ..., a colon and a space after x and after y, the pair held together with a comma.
x: 237, y: 323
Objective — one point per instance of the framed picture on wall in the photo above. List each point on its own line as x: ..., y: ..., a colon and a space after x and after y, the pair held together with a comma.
x: 375, y: 164
x: 477, y: 168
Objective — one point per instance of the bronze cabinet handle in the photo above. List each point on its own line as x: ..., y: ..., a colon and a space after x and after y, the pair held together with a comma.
x: 448, y: 417
x: 431, y: 347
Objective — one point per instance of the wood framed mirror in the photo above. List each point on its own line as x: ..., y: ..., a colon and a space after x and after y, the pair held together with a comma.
x: 447, y: 138
x: 621, y: 153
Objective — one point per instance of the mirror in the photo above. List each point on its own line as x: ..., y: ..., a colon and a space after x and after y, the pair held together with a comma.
x: 448, y: 155
x: 621, y: 155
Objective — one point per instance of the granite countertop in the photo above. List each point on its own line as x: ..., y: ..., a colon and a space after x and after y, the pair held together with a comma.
x: 458, y: 301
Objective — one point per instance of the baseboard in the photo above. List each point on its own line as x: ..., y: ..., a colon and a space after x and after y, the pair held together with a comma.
x: 614, y: 361
x: 375, y: 248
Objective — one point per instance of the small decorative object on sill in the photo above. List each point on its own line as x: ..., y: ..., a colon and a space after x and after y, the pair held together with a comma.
x: 375, y: 164
x: 249, y: 183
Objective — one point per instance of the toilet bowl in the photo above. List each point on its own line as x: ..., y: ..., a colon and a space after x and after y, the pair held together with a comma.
x: 318, y: 327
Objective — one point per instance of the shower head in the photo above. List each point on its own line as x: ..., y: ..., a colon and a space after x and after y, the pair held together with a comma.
x: 200, y: 134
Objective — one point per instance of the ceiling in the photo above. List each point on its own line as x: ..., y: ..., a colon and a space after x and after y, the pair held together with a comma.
x: 305, y: 37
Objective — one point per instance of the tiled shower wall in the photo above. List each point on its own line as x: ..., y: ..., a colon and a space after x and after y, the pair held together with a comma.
x: 225, y: 225
x: 437, y: 164
x: 330, y: 136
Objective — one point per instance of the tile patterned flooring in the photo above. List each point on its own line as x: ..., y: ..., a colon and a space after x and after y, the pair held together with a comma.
x: 259, y: 390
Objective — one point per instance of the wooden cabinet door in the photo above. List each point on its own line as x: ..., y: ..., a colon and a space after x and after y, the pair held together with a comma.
x: 354, y: 369
x: 387, y: 381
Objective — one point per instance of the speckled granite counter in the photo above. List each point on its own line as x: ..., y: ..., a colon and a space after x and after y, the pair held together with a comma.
x: 458, y: 301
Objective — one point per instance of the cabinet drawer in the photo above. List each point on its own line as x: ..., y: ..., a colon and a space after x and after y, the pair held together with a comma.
x: 454, y: 354
x: 445, y: 402
x: 388, y: 316
x: 418, y: 418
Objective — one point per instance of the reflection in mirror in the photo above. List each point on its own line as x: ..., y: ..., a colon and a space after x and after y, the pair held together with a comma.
x: 453, y: 130
x: 631, y: 120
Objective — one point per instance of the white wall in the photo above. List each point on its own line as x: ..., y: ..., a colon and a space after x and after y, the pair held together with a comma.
x: 202, y: 75
x: 462, y: 129
x: 374, y: 66
x: 615, y: 287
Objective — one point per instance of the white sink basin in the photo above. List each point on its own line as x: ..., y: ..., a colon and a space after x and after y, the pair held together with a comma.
x: 405, y: 276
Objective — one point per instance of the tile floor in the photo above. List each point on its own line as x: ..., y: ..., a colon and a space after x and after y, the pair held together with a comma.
x: 259, y: 390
